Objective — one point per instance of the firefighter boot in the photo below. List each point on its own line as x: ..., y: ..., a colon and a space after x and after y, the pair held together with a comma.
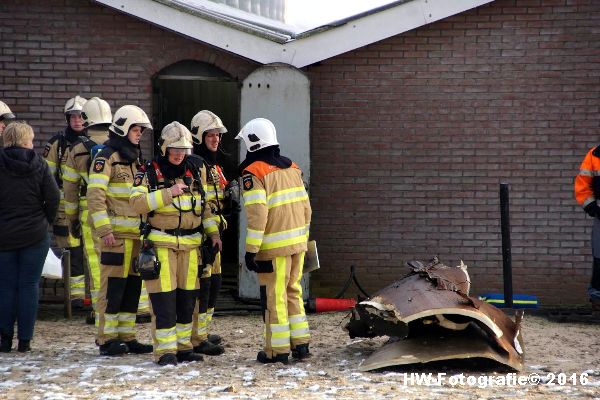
x: 209, y: 348
x: 188, y: 356
x: 167, y: 359
x: 113, y: 348
x: 301, y: 352
x: 262, y: 357
x: 136, y: 347
x: 214, y: 339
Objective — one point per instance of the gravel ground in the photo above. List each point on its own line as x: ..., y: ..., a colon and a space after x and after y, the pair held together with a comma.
x: 65, y: 364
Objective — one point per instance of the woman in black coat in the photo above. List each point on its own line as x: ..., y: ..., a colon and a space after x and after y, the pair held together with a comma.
x: 28, y: 203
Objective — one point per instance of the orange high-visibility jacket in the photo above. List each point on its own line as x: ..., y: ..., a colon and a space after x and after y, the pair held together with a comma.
x: 589, y: 168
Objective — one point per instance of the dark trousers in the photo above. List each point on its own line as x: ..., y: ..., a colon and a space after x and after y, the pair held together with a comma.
x: 20, y: 273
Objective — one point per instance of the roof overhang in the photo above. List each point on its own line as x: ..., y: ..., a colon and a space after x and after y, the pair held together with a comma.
x: 265, y: 46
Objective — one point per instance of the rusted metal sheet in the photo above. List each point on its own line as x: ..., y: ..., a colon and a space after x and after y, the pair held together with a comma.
x: 434, y: 296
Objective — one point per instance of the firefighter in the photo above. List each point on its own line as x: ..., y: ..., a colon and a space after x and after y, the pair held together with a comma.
x: 117, y: 224
x: 55, y: 154
x: 278, y: 212
x: 207, y: 128
x: 171, y: 191
x: 97, y: 117
x: 587, y: 194
x: 6, y: 116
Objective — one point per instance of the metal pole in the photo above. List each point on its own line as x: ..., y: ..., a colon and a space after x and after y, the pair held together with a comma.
x: 506, y: 246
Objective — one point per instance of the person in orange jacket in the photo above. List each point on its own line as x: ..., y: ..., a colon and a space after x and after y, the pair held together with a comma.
x: 587, y: 194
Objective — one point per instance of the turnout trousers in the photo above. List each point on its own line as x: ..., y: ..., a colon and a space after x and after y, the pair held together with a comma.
x: 172, y: 298
x: 119, y: 292
x: 286, y: 325
x: 210, y: 284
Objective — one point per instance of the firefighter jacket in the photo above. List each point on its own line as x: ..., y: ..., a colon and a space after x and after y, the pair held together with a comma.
x: 55, y: 154
x: 110, y: 182
x: 75, y: 172
x: 175, y: 222
x: 590, y: 167
x: 277, y: 208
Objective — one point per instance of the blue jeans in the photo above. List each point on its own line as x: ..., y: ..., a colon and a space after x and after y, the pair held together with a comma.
x: 20, y: 273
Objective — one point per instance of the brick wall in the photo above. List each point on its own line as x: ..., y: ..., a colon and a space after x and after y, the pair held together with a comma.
x: 411, y: 137
x: 53, y: 49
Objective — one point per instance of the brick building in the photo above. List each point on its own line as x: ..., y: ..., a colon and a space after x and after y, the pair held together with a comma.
x: 410, y: 135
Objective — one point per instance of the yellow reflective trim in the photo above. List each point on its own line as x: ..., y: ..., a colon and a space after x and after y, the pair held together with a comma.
x: 192, y: 274
x: 280, y: 290
x: 165, y: 275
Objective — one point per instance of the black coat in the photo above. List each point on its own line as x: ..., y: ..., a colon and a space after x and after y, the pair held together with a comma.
x: 29, y: 198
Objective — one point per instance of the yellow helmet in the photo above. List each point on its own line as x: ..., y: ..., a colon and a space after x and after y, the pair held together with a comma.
x: 175, y: 136
x: 74, y: 105
x: 204, y: 121
x: 5, y: 112
x: 96, y: 112
x: 126, y: 117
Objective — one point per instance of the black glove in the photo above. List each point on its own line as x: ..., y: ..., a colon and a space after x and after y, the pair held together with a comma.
x: 596, y: 186
x: 76, y: 229
x: 250, y: 263
x: 592, y: 209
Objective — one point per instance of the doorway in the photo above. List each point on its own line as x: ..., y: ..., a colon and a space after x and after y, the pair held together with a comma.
x: 179, y: 92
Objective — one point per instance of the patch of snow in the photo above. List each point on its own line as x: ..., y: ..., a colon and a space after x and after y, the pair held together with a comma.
x: 294, y: 372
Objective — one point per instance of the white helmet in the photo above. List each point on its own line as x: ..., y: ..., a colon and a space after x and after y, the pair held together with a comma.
x: 96, y: 112
x: 175, y: 136
x: 5, y: 112
x: 258, y: 134
x: 205, y: 121
x: 74, y: 105
x: 128, y: 116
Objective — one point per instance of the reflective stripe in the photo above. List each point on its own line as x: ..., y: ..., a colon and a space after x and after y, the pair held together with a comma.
x: 165, y: 276
x: 296, y: 319
x: 118, y: 191
x: 300, y: 332
x: 279, y: 327
x: 282, y: 239
x: 587, y: 172
x: 126, y: 323
x: 166, y: 338
x: 192, y: 272
x: 111, y: 323
x: 69, y: 174
x: 254, y: 237
x: 184, y: 332
x: 287, y: 196
x: 100, y: 218
x: 257, y: 196
x: 155, y: 200
x: 280, y: 342
x: 98, y: 181
x: 210, y: 226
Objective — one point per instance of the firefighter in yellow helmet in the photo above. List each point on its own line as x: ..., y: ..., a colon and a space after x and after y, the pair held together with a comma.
x: 6, y: 116
x: 97, y: 117
x: 279, y: 213
x: 117, y: 224
x: 170, y: 190
x: 55, y: 154
x: 207, y: 128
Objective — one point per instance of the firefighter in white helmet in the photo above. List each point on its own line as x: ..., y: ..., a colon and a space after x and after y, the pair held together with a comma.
x: 55, y: 154
x: 118, y: 225
x: 278, y: 212
x: 170, y: 191
x: 6, y: 116
x: 207, y: 129
x: 97, y: 117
